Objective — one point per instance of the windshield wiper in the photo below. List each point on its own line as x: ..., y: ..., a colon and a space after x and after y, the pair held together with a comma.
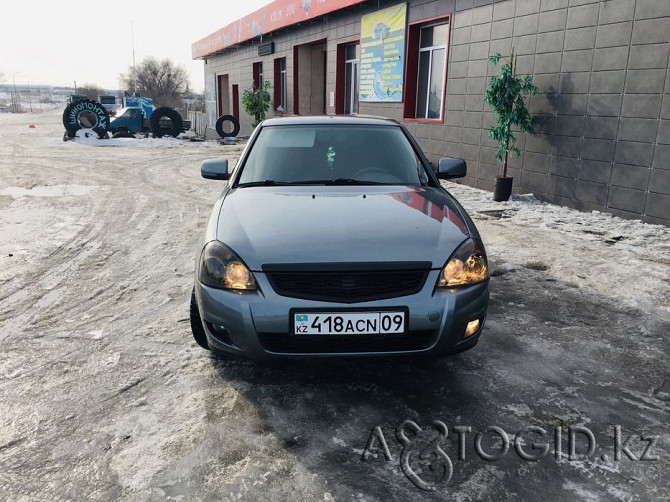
x: 264, y: 183
x: 332, y: 182
x: 338, y: 181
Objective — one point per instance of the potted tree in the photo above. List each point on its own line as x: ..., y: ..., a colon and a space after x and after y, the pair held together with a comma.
x: 505, y: 95
x: 256, y: 102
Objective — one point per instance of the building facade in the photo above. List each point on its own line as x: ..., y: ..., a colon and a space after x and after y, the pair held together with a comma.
x: 602, y: 135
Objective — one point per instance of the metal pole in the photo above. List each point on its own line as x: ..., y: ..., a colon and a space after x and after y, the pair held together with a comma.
x: 17, y: 99
x: 30, y: 101
x: 132, y: 41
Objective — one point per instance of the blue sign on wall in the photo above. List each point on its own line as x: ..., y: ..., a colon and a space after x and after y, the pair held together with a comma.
x: 383, y: 55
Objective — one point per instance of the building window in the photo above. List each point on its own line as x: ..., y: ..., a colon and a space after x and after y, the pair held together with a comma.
x: 426, y: 70
x: 432, y: 61
x: 258, y: 75
x: 351, y: 65
x: 280, y: 94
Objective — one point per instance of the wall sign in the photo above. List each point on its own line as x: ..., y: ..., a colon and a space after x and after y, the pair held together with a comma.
x: 266, y: 48
x: 383, y: 55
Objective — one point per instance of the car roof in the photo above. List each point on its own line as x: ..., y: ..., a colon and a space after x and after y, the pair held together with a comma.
x: 330, y: 120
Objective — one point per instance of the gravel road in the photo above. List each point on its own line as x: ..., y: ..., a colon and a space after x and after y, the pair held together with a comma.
x: 104, y: 395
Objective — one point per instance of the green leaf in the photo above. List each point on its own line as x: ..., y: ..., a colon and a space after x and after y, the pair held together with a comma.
x: 505, y: 96
x: 256, y: 102
x: 495, y: 58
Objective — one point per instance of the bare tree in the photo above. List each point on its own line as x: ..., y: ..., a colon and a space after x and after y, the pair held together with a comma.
x: 163, y: 81
x: 2, y: 77
x: 91, y: 91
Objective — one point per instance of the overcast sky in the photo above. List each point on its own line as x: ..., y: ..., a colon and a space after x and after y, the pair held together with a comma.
x: 57, y: 43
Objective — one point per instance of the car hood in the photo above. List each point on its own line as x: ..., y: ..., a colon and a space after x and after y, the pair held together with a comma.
x: 317, y: 224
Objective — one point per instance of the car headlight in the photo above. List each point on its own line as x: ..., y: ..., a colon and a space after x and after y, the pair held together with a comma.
x: 468, y: 265
x: 221, y: 268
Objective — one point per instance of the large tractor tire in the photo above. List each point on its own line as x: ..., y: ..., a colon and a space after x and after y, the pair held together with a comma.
x: 176, y: 123
x: 86, y: 114
x: 227, y: 118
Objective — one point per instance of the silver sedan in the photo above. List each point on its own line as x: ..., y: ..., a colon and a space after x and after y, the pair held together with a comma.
x: 334, y: 237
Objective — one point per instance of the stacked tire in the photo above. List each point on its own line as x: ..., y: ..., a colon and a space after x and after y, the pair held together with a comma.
x: 85, y: 114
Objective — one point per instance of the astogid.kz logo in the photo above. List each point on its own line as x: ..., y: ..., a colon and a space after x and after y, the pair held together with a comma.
x: 424, y: 461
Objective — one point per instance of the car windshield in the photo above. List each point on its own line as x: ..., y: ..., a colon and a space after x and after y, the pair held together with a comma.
x: 332, y: 154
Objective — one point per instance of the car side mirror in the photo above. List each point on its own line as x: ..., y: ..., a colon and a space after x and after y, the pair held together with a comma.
x: 215, y: 169
x: 449, y: 168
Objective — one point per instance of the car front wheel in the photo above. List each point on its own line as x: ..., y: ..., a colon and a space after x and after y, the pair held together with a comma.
x: 196, y: 324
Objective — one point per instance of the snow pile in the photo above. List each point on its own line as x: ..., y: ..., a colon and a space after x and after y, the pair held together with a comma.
x: 624, y: 260
x: 527, y: 210
x: 90, y: 138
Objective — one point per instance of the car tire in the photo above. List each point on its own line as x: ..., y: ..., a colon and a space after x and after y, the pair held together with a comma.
x: 86, y: 113
x: 227, y: 118
x: 169, y: 113
x: 124, y: 134
x: 196, y: 324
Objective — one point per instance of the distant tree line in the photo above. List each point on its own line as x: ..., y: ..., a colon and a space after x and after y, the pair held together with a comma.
x: 91, y: 91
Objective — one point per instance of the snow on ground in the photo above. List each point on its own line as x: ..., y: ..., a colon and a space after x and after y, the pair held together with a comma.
x: 625, y: 260
x: 105, y: 396
x: 90, y: 138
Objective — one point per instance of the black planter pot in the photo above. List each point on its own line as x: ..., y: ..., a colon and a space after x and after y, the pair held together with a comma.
x: 503, y: 188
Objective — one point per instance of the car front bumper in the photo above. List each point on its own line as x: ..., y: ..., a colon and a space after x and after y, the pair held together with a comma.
x: 257, y: 324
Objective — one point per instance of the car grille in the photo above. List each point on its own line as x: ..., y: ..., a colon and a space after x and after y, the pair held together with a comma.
x: 347, y: 286
x: 334, y: 344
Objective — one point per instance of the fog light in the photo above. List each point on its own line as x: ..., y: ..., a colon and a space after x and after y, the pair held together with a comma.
x: 471, y: 328
x: 220, y: 332
x: 218, y: 329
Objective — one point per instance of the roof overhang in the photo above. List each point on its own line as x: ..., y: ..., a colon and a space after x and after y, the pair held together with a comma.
x: 274, y: 16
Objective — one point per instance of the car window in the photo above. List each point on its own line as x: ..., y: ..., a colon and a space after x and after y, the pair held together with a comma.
x: 311, y: 154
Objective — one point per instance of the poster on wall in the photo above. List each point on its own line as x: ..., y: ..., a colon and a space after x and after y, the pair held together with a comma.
x: 210, y: 99
x: 383, y: 55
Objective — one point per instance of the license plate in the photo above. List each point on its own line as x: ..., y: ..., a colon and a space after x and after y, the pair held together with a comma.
x: 348, y: 323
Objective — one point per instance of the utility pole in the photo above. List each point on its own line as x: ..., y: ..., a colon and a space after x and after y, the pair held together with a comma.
x: 132, y: 42
x: 16, y: 104
x: 30, y: 101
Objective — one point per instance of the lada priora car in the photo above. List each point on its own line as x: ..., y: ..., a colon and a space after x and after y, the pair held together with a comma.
x: 334, y: 237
